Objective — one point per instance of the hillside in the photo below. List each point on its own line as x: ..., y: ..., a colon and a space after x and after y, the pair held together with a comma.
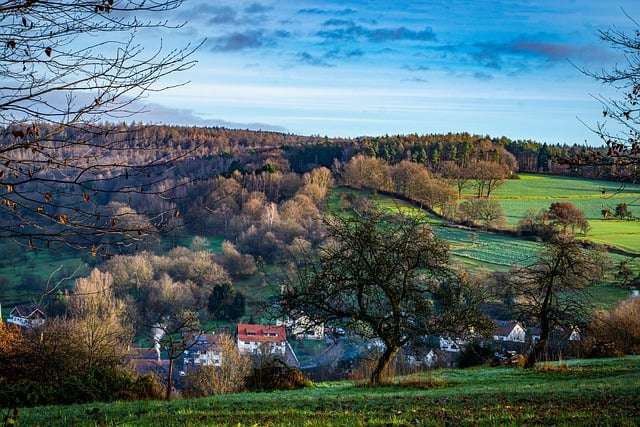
x: 585, y: 392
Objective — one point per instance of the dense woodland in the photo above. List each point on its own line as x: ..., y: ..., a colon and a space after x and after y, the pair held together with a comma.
x: 206, y: 176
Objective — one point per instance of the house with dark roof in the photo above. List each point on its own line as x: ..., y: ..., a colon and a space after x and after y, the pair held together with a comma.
x: 508, y: 330
x: 202, y: 350
x: 28, y: 316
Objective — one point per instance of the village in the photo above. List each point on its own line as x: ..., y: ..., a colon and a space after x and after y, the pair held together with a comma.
x: 334, y: 355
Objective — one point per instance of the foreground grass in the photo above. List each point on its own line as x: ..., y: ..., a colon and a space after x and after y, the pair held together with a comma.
x: 588, y: 392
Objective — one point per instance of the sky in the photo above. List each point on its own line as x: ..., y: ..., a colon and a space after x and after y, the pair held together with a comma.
x: 355, y: 68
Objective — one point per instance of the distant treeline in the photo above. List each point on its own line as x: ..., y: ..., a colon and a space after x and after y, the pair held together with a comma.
x: 249, y: 151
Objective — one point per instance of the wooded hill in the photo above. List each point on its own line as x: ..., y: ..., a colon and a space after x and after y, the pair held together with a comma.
x: 149, y: 178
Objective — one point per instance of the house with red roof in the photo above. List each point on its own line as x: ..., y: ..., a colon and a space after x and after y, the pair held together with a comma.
x: 28, y: 316
x: 265, y: 341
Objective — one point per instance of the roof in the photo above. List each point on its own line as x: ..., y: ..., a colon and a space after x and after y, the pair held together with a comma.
x: 139, y: 353
x: 504, y: 327
x: 202, y: 342
x: 27, y: 311
x: 262, y: 333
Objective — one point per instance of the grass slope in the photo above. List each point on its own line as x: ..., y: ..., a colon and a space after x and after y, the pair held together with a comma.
x: 591, y: 196
x: 585, y: 392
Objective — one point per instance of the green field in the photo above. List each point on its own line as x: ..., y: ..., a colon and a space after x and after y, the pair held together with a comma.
x: 591, y: 196
x: 603, y: 392
x: 24, y: 272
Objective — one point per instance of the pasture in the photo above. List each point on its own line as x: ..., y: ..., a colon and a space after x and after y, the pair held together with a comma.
x: 536, y: 192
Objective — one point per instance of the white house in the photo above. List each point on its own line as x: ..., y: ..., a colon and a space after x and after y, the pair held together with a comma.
x: 202, y: 350
x: 256, y: 339
x: 449, y: 344
x: 301, y: 326
x: 508, y: 330
x: 27, y: 316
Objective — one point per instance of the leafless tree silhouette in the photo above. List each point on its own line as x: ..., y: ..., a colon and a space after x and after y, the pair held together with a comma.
x: 68, y: 67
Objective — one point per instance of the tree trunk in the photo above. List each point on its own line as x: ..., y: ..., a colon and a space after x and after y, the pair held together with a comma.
x: 378, y: 375
x: 169, y: 380
x: 540, y: 345
x: 534, y: 354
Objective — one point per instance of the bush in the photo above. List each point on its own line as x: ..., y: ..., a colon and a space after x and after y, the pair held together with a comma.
x: 616, y: 332
x: 275, y: 375
x: 476, y: 353
x: 100, y: 384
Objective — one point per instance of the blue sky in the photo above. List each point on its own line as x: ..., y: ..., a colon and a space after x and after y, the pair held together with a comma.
x: 352, y: 68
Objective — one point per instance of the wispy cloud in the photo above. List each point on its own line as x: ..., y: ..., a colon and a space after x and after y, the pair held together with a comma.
x: 482, y: 76
x: 533, y: 51
x: 318, y: 11
x: 347, y: 30
x: 239, y: 41
x: 160, y: 114
x: 416, y: 68
x: 256, y: 8
x: 344, y: 54
x: 250, y: 39
x: 216, y: 15
x: 316, y: 61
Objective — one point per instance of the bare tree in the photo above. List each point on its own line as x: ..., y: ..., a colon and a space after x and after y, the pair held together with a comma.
x: 102, y: 328
x: 165, y: 316
x: 553, y: 290
x: 229, y: 377
x: 66, y: 67
x: 487, y: 212
x: 385, y: 276
x: 620, y: 128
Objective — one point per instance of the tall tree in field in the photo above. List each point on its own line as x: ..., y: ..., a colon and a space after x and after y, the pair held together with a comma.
x: 385, y: 276
x: 563, y: 215
x: 165, y: 315
x: 487, y: 212
x: 67, y: 66
x: 552, y: 291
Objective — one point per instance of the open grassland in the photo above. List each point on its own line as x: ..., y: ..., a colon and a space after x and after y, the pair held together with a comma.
x: 539, y: 191
x: 24, y: 272
x: 604, y: 392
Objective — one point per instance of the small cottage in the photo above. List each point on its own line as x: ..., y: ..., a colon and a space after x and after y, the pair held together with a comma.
x: 28, y: 316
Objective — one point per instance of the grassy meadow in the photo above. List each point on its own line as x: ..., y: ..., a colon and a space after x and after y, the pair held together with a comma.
x: 603, y: 392
x: 537, y: 192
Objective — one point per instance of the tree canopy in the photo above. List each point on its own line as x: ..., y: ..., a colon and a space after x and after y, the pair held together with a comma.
x: 384, y: 276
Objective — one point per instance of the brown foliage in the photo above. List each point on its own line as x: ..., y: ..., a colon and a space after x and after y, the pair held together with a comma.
x: 615, y: 332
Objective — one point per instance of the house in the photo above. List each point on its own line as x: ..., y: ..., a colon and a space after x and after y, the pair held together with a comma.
x: 508, y: 330
x: 558, y: 335
x: 27, y: 316
x: 202, y: 350
x: 302, y: 327
x: 266, y: 341
x: 253, y: 339
x: 449, y: 344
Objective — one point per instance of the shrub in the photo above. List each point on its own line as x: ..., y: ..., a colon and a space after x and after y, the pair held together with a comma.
x: 476, y: 353
x: 615, y: 332
x: 275, y: 375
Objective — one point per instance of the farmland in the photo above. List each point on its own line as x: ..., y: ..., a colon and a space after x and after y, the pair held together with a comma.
x: 23, y: 270
x: 591, y: 196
